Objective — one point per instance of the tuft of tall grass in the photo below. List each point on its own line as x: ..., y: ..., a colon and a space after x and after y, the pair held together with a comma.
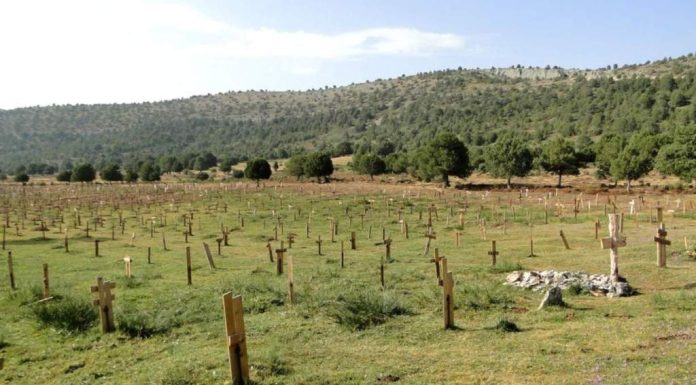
x: 67, y: 313
x: 481, y: 296
x: 141, y: 324
x: 261, y: 294
x: 361, y: 309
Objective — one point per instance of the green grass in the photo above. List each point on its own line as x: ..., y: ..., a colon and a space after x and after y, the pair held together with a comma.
x: 343, y: 328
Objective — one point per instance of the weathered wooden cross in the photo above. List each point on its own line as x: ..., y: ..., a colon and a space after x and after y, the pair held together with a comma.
x: 127, y: 260
x: 279, y: 258
x: 105, y: 303
x: 612, y: 243
x: 662, y: 242
x: 209, y: 255
x: 493, y: 253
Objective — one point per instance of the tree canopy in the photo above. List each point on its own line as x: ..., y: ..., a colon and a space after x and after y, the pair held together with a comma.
x: 558, y: 157
x: 83, y: 173
x: 443, y: 156
x: 509, y: 156
x: 257, y: 169
x: 318, y: 165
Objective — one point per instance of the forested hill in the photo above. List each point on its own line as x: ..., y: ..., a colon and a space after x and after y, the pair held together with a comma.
x: 403, y: 112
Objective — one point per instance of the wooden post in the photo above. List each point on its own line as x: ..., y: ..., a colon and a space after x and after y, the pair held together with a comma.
x: 46, y: 291
x: 149, y: 255
x: 318, y: 242
x: 457, y: 234
x: 4, y: 231
x: 164, y: 242
x: 596, y: 229
x: 105, y: 302
x: 493, y: 253
x: 565, y: 241
x: 342, y: 254
x: 96, y: 247
x: 353, y: 241
x: 291, y: 281
x: 219, y: 246
x: 236, y: 338
x: 209, y: 256
x: 381, y: 272
x: 613, y: 242
x: 10, y: 270
x: 270, y: 250
x: 279, y: 258
x: 448, y: 300
x: 662, y: 242
x: 128, y: 261
x: 188, y: 264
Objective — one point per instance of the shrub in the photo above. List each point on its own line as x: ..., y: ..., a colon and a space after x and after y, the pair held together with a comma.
x: 3, y: 343
x: 68, y: 314
x: 506, y: 326
x: 237, y: 174
x: 505, y: 267
x: 140, y: 324
x: 202, y: 176
x: 365, y: 308
x: 64, y: 176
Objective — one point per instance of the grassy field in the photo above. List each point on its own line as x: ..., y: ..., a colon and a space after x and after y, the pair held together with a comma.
x: 343, y: 329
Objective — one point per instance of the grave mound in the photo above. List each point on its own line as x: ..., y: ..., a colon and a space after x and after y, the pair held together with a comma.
x: 596, y: 284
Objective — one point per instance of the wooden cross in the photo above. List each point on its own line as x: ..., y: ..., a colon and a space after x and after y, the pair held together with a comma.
x: 662, y: 242
x: 105, y: 303
x: 270, y: 249
x: 493, y: 253
x: 128, y: 261
x: 436, y: 260
x: 430, y: 235
x: 291, y: 240
x: 225, y: 236
x: 236, y: 338
x: 279, y: 258
x: 612, y: 243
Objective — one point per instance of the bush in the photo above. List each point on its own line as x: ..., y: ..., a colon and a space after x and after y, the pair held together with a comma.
x: 365, y: 308
x: 21, y: 178
x: 506, y: 326
x: 68, y: 314
x: 237, y: 174
x: 202, y: 176
x: 64, y: 176
x: 140, y: 324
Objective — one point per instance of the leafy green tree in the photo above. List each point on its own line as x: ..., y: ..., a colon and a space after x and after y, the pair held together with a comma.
x: 558, y: 157
x: 83, y: 173
x: 131, y: 176
x: 21, y: 178
x: 607, y: 149
x: 369, y: 164
x: 508, y: 157
x: 227, y: 163
x: 111, y: 173
x: 397, y: 162
x: 64, y: 176
x: 679, y: 157
x: 342, y: 148
x: 149, y: 172
x: 444, y: 156
x: 257, y: 169
x: 295, y: 165
x: 635, y: 159
x: 318, y: 165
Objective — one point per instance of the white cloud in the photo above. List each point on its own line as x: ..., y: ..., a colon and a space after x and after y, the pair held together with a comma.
x: 91, y: 51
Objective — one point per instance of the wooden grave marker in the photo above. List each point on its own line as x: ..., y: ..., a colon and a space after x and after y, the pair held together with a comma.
x: 10, y: 270
x: 105, y: 303
x: 127, y: 261
x: 209, y: 256
x: 236, y: 338
x: 612, y: 243
x: 279, y: 258
x: 565, y: 241
x: 493, y: 253
x: 662, y: 242
x: 291, y: 281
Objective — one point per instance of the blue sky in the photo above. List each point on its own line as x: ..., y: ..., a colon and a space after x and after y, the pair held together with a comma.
x: 86, y: 51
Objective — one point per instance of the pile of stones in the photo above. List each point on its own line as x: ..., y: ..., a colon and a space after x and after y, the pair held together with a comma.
x: 596, y: 284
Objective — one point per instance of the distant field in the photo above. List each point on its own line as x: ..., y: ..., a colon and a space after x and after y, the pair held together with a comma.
x: 344, y: 327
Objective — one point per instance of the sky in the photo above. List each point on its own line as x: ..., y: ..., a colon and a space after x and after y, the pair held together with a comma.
x: 120, y: 51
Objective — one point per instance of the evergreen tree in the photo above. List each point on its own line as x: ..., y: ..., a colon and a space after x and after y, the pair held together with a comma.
x: 508, y: 157
x: 318, y: 165
x: 558, y: 157
x: 83, y: 173
x: 679, y: 157
x: 443, y: 156
x: 258, y: 169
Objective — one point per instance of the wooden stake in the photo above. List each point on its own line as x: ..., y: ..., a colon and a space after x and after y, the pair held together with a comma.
x: 291, y: 281
x: 10, y: 269
x: 188, y: 265
x: 565, y: 241
x: 493, y: 253
x: 46, y: 291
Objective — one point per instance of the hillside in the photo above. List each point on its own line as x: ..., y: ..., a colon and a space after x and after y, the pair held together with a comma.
x: 475, y: 104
